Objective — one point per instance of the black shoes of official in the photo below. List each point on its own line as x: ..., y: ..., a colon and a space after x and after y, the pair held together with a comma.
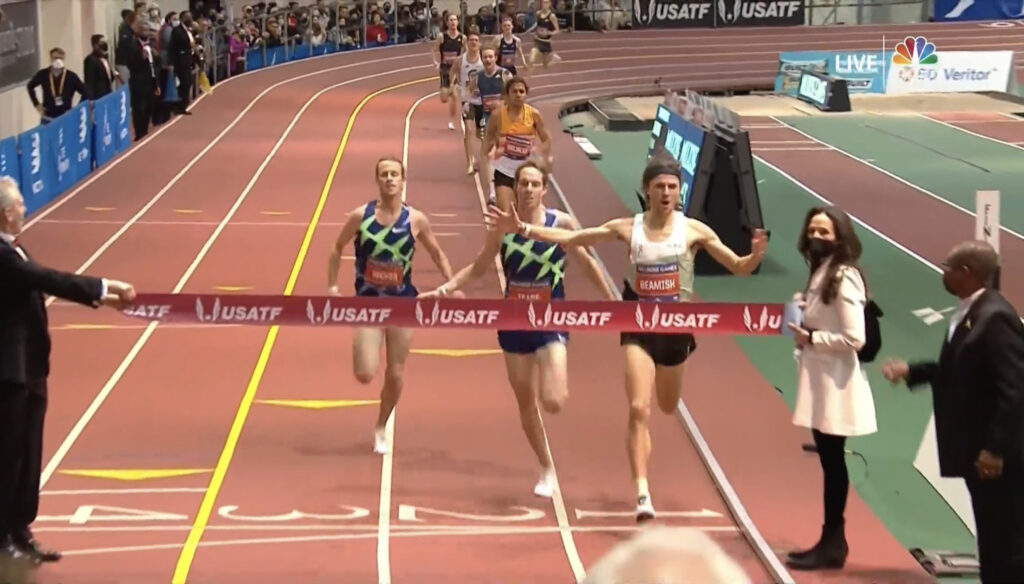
x: 829, y: 553
x: 21, y: 545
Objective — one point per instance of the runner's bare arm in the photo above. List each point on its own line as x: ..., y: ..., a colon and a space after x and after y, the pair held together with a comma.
x: 519, y: 49
x: 425, y: 235
x: 588, y: 262
x: 542, y: 133
x: 435, y: 52
x: 455, y: 69
x: 348, y: 232
x: 473, y: 271
x: 740, y: 266
x: 508, y: 222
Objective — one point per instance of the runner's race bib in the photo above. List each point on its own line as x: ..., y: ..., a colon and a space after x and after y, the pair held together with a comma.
x: 657, y: 282
x: 530, y: 291
x: 384, y: 274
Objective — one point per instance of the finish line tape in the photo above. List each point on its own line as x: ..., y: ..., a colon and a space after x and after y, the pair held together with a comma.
x: 462, y: 313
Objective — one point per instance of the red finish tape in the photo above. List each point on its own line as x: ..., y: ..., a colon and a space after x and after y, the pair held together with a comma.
x: 495, y: 314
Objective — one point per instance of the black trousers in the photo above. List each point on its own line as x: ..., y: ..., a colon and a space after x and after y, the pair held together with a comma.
x: 184, y: 76
x: 832, y: 455
x: 22, y: 413
x: 999, y: 519
x: 143, y: 101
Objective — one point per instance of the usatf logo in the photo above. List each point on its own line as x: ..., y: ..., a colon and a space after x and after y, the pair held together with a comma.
x: 568, y: 318
x: 435, y: 314
x: 236, y: 313
x: 765, y: 323
x: 344, y: 314
x: 644, y: 324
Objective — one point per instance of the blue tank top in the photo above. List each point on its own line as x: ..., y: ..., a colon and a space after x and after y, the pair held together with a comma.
x: 491, y: 89
x: 534, y: 270
x: 384, y: 256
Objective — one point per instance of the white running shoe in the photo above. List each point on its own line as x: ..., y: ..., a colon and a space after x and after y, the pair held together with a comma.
x: 546, y: 485
x: 380, y: 442
x: 451, y: 126
x: 644, y: 509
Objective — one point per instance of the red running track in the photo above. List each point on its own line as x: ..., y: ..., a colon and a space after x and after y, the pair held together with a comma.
x: 245, y: 195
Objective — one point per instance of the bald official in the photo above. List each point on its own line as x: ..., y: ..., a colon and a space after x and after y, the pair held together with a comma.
x: 978, y: 399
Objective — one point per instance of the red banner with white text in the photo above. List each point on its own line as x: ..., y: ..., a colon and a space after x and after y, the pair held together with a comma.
x: 495, y: 314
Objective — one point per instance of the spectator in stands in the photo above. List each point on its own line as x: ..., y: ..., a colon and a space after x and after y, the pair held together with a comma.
x: 272, y: 37
x: 375, y: 31
x: 125, y: 38
x: 142, y: 84
x: 99, y: 75
x: 162, y: 108
x: 181, y: 55
x: 59, y: 88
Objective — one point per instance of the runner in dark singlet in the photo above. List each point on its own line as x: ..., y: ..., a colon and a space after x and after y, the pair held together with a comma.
x: 545, y: 29
x: 386, y: 233
x: 509, y: 46
x: 451, y: 45
x: 491, y: 83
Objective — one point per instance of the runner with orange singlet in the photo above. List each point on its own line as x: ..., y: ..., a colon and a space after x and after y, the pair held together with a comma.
x: 508, y: 142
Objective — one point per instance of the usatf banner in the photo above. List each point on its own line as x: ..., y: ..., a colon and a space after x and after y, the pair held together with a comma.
x: 717, y: 13
x: 568, y: 315
x: 957, y: 10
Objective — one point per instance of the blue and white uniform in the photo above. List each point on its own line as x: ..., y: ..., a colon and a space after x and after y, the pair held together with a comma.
x: 534, y: 271
x: 383, y: 264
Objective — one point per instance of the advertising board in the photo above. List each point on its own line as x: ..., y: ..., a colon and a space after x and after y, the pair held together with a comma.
x: 717, y: 13
x: 952, y: 72
x: 864, y: 71
x: 960, y: 10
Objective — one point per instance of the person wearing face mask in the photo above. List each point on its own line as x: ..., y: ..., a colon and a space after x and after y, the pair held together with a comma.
x: 833, y: 394
x: 978, y: 400
x: 59, y: 87
x: 181, y: 55
x: 99, y: 74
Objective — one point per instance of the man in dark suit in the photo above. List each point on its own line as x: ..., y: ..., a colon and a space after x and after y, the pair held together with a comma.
x: 141, y: 59
x: 978, y: 397
x: 99, y: 74
x: 181, y: 57
x: 24, y: 367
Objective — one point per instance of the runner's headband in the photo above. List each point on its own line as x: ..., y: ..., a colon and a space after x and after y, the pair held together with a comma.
x: 663, y: 169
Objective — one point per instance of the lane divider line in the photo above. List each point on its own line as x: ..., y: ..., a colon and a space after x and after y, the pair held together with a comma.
x: 188, y: 551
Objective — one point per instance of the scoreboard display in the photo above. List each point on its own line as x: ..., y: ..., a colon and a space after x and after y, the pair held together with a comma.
x: 684, y: 142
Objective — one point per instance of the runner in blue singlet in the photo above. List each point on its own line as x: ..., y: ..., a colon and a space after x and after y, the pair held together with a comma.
x: 385, y: 233
x: 534, y: 272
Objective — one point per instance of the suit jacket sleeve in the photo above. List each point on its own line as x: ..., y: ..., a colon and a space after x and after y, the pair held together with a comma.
x: 922, y: 372
x: 74, y: 288
x: 1004, y: 344
x: 849, y: 304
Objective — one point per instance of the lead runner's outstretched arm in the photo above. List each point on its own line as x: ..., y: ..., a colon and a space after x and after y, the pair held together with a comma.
x: 471, y: 272
x: 348, y: 231
x: 508, y: 222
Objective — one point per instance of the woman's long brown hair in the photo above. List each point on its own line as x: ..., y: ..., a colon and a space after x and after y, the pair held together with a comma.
x: 847, y: 251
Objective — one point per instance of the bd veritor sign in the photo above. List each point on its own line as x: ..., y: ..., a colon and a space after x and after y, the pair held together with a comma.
x: 19, y: 42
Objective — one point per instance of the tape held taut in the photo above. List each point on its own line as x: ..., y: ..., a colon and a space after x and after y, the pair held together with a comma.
x: 492, y: 314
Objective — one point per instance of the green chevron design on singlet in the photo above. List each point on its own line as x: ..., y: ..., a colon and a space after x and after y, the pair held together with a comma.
x: 380, y: 245
x: 545, y: 265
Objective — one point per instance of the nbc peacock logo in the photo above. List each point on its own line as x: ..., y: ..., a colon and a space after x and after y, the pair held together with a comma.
x: 912, y: 53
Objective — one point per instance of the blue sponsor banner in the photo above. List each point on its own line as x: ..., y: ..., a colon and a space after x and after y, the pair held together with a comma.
x: 104, y: 127
x: 864, y: 71
x: 122, y: 120
x: 960, y: 10
x: 74, y: 146
x: 38, y: 154
x: 9, y: 164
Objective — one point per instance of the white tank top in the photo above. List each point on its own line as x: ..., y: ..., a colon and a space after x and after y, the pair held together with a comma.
x: 467, y: 79
x: 661, y: 271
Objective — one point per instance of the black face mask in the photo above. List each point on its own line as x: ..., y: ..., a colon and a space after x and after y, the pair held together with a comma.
x: 820, y: 248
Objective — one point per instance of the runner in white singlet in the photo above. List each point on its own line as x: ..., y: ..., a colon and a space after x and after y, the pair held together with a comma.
x: 662, y: 242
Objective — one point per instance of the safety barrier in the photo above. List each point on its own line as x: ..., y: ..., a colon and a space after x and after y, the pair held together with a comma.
x: 461, y: 313
x: 49, y: 159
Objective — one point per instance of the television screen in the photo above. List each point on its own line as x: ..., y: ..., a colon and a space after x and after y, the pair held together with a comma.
x: 683, y: 141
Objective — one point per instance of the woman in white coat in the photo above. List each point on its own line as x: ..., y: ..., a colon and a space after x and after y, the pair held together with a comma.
x: 833, y: 395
